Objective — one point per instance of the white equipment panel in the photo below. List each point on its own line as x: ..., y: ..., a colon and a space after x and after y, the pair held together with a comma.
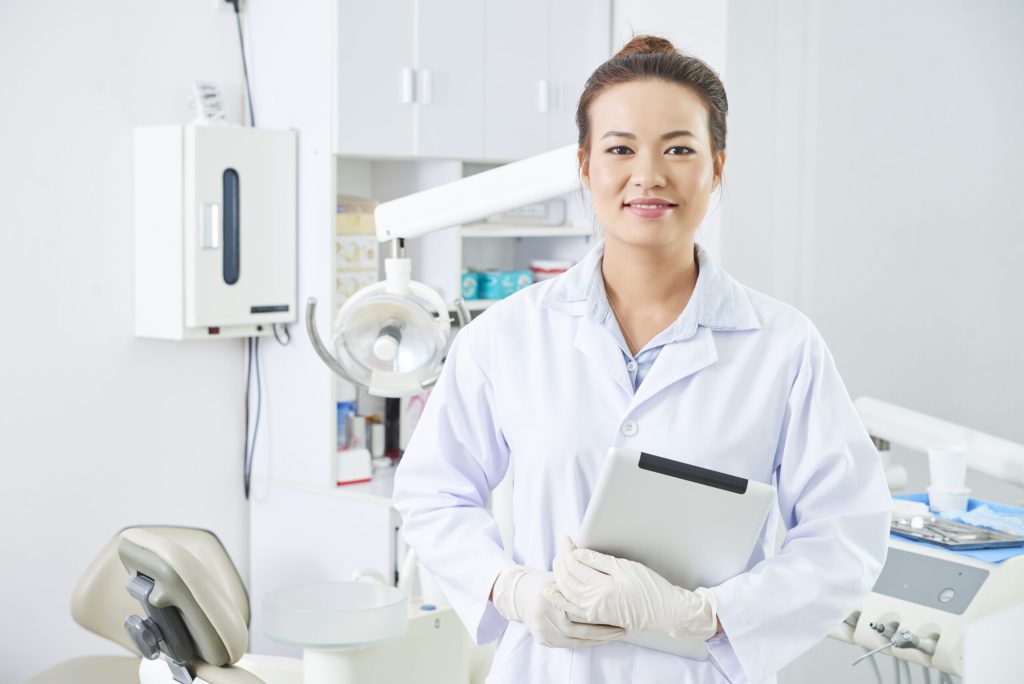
x: 937, y: 595
x: 215, y: 231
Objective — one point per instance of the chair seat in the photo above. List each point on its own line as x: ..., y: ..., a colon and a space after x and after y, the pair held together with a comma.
x: 92, y: 670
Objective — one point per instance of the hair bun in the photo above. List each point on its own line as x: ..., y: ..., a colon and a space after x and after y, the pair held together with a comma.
x: 647, y: 45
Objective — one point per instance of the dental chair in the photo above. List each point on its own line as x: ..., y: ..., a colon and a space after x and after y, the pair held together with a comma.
x: 173, y: 594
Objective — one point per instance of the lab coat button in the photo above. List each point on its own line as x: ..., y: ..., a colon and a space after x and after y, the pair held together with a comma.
x: 631, y: 366
x: 629, y: 428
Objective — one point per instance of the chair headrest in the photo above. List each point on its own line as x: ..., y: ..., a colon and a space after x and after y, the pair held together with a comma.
x: 214, y: 602
x: 179, y: 580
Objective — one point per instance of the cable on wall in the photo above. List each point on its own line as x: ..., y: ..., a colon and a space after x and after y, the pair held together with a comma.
x: 252, y: 343
x: 249, y: 447
x: 245, y: 66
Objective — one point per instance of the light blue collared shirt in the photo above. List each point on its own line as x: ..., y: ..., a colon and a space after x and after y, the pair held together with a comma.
x: 600, y: 312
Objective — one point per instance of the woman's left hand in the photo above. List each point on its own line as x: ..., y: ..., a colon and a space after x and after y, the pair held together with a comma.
x: 601, y: 589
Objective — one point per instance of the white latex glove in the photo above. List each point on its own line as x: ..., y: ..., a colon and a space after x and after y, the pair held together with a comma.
x: 520, y: 594
x: 596, y: 587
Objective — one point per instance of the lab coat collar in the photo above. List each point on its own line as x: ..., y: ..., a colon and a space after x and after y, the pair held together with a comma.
x: 722, y: 303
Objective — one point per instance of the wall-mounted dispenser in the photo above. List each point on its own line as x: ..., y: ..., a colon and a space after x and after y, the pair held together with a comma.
x: 215, y: 231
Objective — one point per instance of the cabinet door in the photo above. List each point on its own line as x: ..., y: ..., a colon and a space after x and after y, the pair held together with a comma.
x: 450, y: 85
x: 517, y: 89
x: 240, y: 225
x: 374, y: 99
x: 580, y: 40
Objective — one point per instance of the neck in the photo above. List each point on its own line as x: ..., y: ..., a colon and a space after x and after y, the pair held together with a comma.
x: 651, y: 282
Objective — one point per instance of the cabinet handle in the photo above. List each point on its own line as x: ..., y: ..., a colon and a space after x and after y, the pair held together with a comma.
x: 209, y: 226
x: 408, y: 85
x: 426, y: 86
x: 542, y: 96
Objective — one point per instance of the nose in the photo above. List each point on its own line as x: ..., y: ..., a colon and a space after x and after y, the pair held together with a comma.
x: 648, y: 171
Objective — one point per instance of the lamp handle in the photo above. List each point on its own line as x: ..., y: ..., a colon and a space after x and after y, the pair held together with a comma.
x: 318, y: 344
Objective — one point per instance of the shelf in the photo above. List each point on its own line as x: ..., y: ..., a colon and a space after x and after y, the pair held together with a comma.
x: 503, y: 230
x: 479, y: 304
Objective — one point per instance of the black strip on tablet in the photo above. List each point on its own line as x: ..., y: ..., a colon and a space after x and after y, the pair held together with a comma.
x: 685, y: 471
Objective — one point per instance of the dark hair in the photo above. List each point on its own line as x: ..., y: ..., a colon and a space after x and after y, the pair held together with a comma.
x: 650, y: 57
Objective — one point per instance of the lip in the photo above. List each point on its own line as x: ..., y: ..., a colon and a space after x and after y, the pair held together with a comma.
x: 658, y: 207
x: 650, y: 200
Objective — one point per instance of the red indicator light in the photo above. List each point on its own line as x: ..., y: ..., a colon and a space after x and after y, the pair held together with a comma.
x: 214, y: 331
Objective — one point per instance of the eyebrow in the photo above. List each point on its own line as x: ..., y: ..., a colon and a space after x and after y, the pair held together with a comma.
x: 667, y: 136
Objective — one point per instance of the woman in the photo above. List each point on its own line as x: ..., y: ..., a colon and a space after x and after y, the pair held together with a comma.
x: 647, y: 343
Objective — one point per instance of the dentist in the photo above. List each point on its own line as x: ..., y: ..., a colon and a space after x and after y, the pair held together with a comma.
x: 647, y: 343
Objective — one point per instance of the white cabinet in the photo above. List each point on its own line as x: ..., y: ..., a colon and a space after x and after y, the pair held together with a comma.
x: 450, y: 69
x: 409, y: 79
x: 463, y: 79
x: 215, y: 230
x: 517, y: 86
x: 539, y: 55
x: 374, y: 110
x: 579, y: 42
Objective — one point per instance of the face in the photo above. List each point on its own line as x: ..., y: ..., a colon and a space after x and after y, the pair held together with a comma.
x: 651, y: 168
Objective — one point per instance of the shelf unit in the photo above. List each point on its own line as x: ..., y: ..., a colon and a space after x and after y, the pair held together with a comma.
x: 486, y: 245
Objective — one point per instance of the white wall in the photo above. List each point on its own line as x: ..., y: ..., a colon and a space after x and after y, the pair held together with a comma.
x: 292, y: 72
x: 876, y: 188
x: 98, y: 429
x: 696, y: 26
x: 875, y: 159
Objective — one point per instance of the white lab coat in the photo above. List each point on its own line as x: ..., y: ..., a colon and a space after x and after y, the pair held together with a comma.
x: 746, y: 386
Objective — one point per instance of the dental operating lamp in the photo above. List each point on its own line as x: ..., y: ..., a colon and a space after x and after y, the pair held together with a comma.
x: 390, y: 337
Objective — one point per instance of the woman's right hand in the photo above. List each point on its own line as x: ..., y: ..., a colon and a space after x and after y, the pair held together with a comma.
x: 521, y: 594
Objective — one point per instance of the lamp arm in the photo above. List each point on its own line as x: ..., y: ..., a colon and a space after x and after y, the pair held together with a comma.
x: 472, y: 198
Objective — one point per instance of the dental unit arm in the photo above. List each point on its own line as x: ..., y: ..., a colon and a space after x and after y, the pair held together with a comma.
x: 986, y: 454
x: 932, y: 606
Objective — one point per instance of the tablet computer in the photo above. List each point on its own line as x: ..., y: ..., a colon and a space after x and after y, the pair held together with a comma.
x: 693, y: 526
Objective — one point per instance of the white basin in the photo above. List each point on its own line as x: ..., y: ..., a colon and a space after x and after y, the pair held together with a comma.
x: 336, y: 615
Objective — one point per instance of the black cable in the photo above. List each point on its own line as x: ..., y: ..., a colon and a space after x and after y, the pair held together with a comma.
x: 259, y: 404
x: 245, y: 66
x: 245, y: 444
x: 250, y: 447
x: 283, y: 341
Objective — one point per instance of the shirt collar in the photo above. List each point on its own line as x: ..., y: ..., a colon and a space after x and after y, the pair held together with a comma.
x: 718, y: 301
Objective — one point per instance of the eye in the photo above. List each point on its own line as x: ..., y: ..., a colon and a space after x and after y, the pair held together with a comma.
x: 619, y: 147
x: 683, y: 150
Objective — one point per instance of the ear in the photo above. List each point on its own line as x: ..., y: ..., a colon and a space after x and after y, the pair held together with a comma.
x: 719, y: 164
x: 584, y: 162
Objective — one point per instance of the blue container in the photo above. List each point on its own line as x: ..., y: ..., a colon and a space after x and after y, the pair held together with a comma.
x: 470, y: 285
x: 507, y: 283
x: 523, y: 279
x: 345, y: 409
x: 489, y: 285
x: 513, y: 281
